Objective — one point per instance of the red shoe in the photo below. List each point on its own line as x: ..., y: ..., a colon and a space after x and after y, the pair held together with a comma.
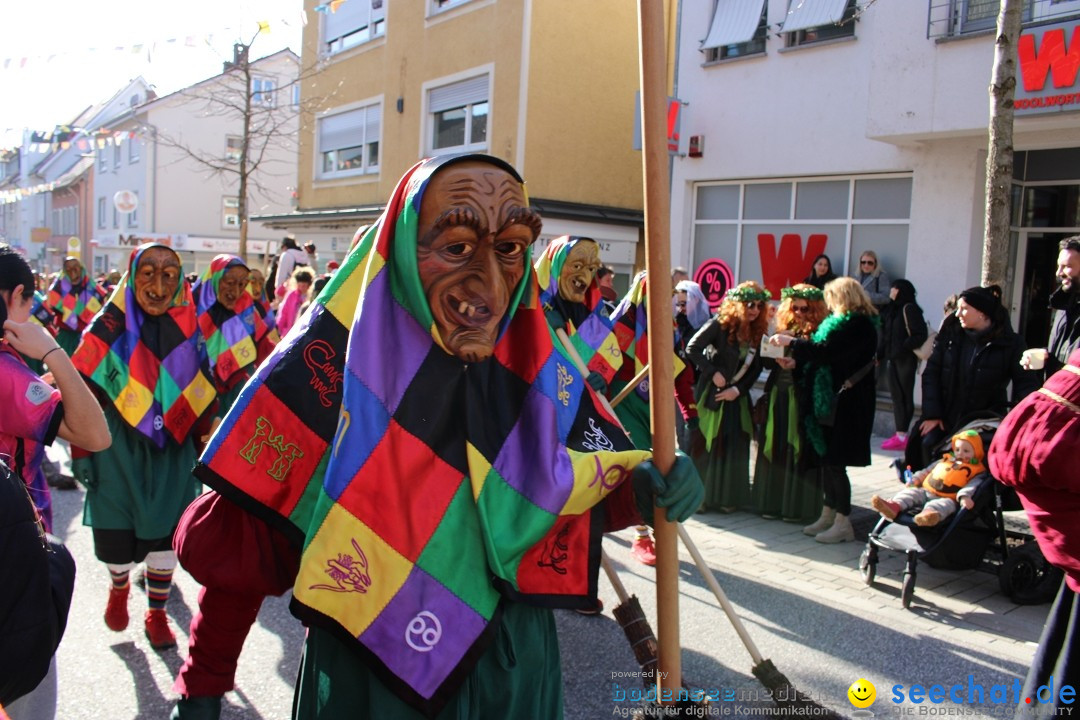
x: 894, y: 443
x: 643, y: 550
x: 116, y: 613
x: 158, y: 631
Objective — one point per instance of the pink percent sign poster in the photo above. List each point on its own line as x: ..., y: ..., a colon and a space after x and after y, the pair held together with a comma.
x: 715, y: 278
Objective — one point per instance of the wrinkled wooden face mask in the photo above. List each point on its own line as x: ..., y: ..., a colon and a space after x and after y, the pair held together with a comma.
x: 579, y: 271
x: 474, y: 229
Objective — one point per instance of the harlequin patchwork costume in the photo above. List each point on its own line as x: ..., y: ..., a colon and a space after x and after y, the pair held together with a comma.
x: 75, y: 304
x: 442, y: 506
x: 233, y: 341
x: 147, y: 373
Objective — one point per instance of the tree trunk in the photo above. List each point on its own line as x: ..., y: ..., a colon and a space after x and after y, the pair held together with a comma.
x: 999, y: 158
x: 245, y: 147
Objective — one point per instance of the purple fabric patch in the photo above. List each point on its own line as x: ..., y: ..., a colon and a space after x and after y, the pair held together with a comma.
x: 593, y: 331
x: 152, y: 424
x: 418, y: 645
x: 533, y: 460
x: 405, y: 344
x: 182, y: 364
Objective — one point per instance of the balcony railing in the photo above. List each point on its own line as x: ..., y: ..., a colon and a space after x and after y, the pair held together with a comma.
x: 954, y: 18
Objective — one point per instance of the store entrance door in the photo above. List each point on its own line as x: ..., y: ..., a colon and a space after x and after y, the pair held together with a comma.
x: 1036, y: 257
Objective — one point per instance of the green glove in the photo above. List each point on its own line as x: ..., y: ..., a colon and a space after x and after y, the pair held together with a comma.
x: 597, y: 382
x: 680, y: 492
x: 83, y: 471
x: 555, y: 319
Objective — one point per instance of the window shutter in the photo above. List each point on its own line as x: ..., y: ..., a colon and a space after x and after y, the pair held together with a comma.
x: 459, y: 94
x: 734, y: 22
x: 803, y: 14
x: 371, y: 127
x: 342, y: 131
x: 350, y: 16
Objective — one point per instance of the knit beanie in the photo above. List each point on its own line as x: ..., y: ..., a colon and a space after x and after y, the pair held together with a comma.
x: 982, y: 299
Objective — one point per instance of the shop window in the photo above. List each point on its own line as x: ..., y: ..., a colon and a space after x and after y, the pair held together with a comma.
x: 822, y: 200
x: 349, y: 142
x: 717, y: 202
x: 886, y: 199
x: 767, y: 201
x: 354, y: 23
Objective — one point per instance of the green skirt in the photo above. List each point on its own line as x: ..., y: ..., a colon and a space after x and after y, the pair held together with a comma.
x: 139, y: 487
x: 518, y: 677
x: 725, y: 465
x: 780, y: 487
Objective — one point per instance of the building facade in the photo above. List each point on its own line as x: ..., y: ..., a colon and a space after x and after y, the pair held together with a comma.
x: 836, y: 127
x: 550, y: 89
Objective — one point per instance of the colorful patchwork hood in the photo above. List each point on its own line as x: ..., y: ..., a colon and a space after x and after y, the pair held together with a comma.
x: 424, y: 490
x: 228, y: 337
x: 148, y: 367
x: 631, y: 322
x: 75, y: 304
x: 589, y: 329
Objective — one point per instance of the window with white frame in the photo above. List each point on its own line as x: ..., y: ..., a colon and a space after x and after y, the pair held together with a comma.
x: 133, y: 151
x: 296, y: 94
x: 101, y: 212
x: 739, y: 28
x: 102, y: 160
x: 349, y: 142
x: 133, y: 216
x: 115, y: 217
x: 117, y: 156
x: 812, y: 22
x: 355, y: 22
x: 233, y: 145
x: 458, y: 115
x: 230, y: 212
x: 262, y: 90
x: 438, y: 6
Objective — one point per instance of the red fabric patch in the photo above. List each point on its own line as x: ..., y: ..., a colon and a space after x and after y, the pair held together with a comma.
x: 380, y: 505
x: 269, y: 455
x: 144, y: 366
x: 525, y: 346
x: 559, y: 564
x: 89, y: 355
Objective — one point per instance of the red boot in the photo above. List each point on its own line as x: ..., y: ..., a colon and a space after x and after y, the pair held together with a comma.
x: 158, y: 631
x: 643, y: 550
x: 116, y: 612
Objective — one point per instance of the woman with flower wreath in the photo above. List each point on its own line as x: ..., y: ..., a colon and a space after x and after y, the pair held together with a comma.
x: 835, y: 368
x: 725, y: 351
x: 783, y: 487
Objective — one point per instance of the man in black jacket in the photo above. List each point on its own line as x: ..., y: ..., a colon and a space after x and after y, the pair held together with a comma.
x: 1065, y: 301
x: 971, y: 367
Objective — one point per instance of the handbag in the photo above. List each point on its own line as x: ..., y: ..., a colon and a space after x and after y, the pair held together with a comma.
x: 924, y: 351
x: 829, y: 419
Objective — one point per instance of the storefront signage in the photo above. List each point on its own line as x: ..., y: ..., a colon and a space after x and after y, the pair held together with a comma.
x: 193, y: 243
x: 1049, y: 59
x: 788, y: 263
x: 121, y: 240
x: 715, y: 278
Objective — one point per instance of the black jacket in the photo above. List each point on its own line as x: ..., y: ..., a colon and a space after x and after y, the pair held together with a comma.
x: 844, y: 352
x: 711, y: 352
x: 37, y: 578
x: 1065, y: 332
x: 953, y: 387
x: 895, y: 339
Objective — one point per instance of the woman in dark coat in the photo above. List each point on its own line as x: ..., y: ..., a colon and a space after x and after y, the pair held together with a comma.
x: 903, y: 330
x: 836, y: 366
x: 725, y: 351
x: 821, y: 272
x: 969, y: 372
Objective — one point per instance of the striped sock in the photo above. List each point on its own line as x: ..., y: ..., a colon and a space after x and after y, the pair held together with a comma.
x: 158, y: 584
x: 120, y: 580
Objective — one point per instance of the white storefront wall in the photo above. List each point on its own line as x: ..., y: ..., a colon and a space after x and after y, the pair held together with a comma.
x: 888, y: 104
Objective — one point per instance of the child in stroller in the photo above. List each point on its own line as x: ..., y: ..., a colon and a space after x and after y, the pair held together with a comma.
x: 938, y: 489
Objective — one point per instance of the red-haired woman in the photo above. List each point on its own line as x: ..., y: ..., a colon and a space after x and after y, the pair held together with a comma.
x: 782, y: 486
x: 725, y: 350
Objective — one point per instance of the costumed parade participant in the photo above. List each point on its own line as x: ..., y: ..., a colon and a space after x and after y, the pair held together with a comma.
x: 631, y: 322
x: 445, y: 481
x: 725, y: 351
x: 783, y: 486
x: 938, y: 490
x: 141, y: 354
x: 75, y: 299
x: 236, y: 338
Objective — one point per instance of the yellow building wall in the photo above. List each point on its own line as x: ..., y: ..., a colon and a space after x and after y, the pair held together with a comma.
x: 583, y: 73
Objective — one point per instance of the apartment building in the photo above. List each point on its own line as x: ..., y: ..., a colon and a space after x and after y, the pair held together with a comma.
x: 547, y: 85
x: 840, y: 126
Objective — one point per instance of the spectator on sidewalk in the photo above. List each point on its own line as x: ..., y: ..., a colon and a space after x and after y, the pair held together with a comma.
x: 1034, y: 451
x: 903, y: 331
x: 1065, y: 301
x: 290, y: 258
x: 873, y: 278
x: 821, y: 272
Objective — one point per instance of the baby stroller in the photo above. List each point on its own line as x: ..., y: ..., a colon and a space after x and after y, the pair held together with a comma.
x: 977, y: 538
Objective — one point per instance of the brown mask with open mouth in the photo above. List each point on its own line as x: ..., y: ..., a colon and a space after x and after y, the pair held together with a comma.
x: 232, y: 285
x: 579, y: 270
x: 474, y: 228
x: 156, y: 279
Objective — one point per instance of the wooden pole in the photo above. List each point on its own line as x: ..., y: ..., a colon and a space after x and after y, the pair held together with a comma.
x: 651, y: 38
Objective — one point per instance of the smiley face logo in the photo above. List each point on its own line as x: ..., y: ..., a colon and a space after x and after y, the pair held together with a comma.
x: 862, y: 693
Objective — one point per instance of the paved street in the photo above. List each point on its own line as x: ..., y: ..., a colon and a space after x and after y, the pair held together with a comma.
x: 804, y: 605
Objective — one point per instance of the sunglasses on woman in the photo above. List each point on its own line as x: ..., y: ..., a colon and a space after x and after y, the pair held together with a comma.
x: 871, y: 263
x: 754, y: 304
x: 800, y: 308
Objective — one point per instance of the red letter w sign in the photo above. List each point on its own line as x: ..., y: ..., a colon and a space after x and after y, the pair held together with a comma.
x: 788, y: 264
x: 1062, y: 63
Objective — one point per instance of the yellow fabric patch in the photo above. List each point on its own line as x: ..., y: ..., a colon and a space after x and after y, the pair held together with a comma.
x: 348, y: 572
x: 200, y: 393
x: 134, y: 401
x: 597, y: 474
x: 478, y: 469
